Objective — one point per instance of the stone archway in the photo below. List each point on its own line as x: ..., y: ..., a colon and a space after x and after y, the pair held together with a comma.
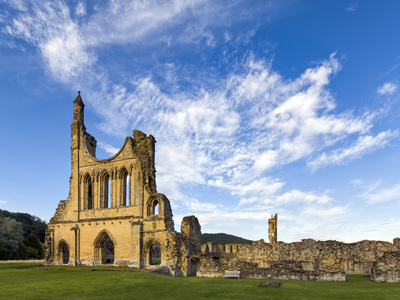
x: 63, y: 252
x: 107, y: 251
x: 104, y: 249
x: 155, y: 254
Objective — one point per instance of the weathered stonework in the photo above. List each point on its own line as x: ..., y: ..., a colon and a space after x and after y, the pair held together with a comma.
x: 306, y: 260
x: 113, y: 214
x: 273, y: 229
x: 387, y: 268
x: 396, y: 241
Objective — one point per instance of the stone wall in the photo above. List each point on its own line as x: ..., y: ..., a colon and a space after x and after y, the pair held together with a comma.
x: 215, y: 266
x: 305, y: 260
x: 387, y: 268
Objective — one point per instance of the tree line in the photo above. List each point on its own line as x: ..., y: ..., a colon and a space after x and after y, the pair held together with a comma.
x: 21, y: 236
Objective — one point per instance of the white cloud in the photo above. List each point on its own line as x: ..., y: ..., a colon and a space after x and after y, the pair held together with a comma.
x: 108, y: 148
x: 352, y: 8
x: 49, y: 27
x: 2, y: 203
x: 20, y: 5
x: 357, y: 182
x: 230, y: 135
x: 80, y: 9
x: 387, y: 88
x: 302, y: 197
x: 383, y: 194
x: 364, y: 144
x: 129, y: 21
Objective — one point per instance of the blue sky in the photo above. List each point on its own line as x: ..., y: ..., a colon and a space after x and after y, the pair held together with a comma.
x: 258, y: 107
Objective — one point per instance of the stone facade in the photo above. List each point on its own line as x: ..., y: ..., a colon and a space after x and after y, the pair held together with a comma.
x: 113, y: 214
x: 305, y: 260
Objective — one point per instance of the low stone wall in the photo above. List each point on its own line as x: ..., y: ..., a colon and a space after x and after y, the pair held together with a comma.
x: 212, y: 266
x: 388, y: 275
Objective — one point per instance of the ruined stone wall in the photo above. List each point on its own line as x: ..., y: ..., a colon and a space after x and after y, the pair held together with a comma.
x: 321, y: 260
x: 387, y: 268
x: 215, y: 266
x: 353, y: 258
x: 273, y: 229
x: 396, y: 242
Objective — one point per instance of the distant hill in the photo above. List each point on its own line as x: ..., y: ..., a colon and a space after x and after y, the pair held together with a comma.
x: 30, y: 224
x: 223, y: 239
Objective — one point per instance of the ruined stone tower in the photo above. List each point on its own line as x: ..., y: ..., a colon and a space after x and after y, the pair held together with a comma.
x: 113, y: 214
x: 273, y: 229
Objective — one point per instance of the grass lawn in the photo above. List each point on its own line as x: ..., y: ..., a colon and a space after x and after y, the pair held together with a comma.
x: 82, y: 283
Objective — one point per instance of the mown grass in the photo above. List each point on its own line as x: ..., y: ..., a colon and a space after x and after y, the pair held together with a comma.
x: 82, y: 283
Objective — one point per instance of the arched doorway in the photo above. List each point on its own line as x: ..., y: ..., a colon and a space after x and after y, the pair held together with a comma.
x: 63, y: 252
x: 104, y: 250
x: 155, y: 254
x: 193, y: 266
x: 107, y: 251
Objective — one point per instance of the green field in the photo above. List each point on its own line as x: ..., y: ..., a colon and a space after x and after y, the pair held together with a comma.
x: 19, y: 282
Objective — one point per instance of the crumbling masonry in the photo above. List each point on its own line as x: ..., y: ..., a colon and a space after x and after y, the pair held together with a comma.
x: 305, y: 260
x: 273, y: 229
x: 114, y: 215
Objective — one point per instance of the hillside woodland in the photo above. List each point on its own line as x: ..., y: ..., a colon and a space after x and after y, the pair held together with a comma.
x: 223, y: 239
x: 21, y: 236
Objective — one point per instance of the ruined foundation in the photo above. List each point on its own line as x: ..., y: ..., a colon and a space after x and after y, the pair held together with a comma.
x: 305, y: 260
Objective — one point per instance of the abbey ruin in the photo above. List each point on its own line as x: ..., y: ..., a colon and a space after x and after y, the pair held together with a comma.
x: 114, y: 215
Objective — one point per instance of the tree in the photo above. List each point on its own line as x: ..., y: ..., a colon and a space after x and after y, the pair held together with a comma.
x: 11, y: 236
x: 34, y: 247
x: 3, y: 251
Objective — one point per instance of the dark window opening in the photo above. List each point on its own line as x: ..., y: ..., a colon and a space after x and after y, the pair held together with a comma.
x: 90, y: 194
x: 216, y: 260
x: 107, y: 192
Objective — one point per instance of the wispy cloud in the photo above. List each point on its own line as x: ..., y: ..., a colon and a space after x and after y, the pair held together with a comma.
x: 108, y: 148
x: 233, y: 134
x: 363, y: 145
x: 383, y: 194
x: 387, y: 88
x: 353, y: 7
x: 51, y: 28
x: 80, y: 9
x: 2, y: 203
